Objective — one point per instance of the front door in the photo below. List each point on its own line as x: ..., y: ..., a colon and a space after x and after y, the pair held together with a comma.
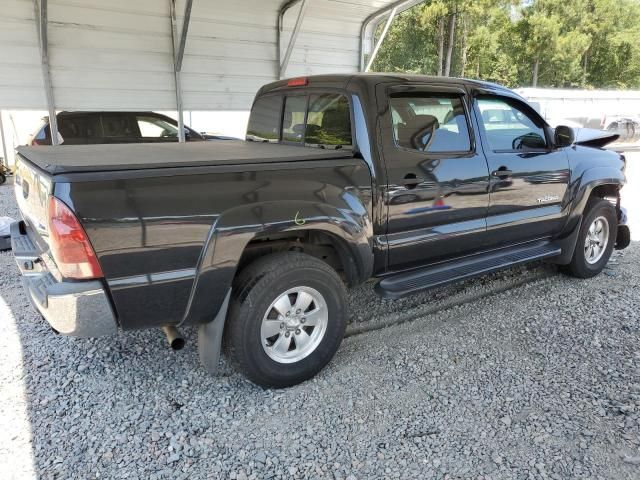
x: 437, y: 185
x: 529, y: 177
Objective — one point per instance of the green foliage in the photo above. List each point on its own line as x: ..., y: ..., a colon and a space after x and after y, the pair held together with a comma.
x: 573, y: 43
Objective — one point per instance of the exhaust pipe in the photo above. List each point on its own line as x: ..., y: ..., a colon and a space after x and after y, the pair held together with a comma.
x: 174, y: 337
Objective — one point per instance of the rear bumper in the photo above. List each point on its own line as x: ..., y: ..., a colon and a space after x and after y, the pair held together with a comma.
x: 80, y: 309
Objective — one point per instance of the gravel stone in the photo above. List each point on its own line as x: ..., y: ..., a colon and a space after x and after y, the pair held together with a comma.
x: 534, y: 375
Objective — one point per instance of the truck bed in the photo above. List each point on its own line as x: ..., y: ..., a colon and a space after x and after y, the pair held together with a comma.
x: 136, y: 156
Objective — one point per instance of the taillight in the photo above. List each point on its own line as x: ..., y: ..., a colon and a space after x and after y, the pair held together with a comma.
x: 70, y: 246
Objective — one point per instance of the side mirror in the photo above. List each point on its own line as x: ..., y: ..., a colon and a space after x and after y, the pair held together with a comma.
x: 563, y: 136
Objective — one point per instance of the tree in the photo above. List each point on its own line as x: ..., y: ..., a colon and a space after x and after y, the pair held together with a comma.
x: 586, y: 43
x: 436, y: 12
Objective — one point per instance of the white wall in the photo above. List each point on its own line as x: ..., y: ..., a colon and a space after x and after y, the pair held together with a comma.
x: 582, y: 106
x: 117, y: 54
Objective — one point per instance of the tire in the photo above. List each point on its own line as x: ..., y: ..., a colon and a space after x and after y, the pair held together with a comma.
x: 584, y: 264
x: 263, y: 293
x: 2, y: 178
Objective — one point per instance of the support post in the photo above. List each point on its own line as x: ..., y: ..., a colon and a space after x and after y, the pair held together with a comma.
x: 292, y: 41
x: 4, y: 142
x: 41, y: 25
x: 372, y: 57
x: 178, y: 55
x: 376, y: 18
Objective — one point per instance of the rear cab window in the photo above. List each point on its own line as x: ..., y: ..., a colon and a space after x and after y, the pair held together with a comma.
x: 328, y: 121
x: 320, y: 120
x: 293, y: 118
x: 264, y: 121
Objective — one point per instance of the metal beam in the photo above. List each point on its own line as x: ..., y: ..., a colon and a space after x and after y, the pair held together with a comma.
x: 178, y: 54
x: 400, y: 6
x: 292, y: 41
x: 287, y: 5
x: 4, y: 143
x: 372, y: 57
x: 183, y: 35
x: 41, y: 25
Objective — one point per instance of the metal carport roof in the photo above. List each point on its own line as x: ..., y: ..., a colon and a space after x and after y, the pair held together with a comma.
x: 130, y: 55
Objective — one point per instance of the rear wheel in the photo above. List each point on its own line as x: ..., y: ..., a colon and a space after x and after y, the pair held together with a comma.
x: 286, y: 319
x: 3, y: 178
x: 595, y: 241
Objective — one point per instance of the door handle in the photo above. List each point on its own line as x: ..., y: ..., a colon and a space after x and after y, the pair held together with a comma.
x: 502, y: 172
x: 410, y: 180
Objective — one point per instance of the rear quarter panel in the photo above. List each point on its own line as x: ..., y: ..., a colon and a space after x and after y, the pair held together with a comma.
x: 169, y: 245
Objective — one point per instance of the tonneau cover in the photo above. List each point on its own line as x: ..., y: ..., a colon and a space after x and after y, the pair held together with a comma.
x: 135, y: 156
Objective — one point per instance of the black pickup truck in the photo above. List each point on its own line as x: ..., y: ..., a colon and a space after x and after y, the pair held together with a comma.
x: 415, y: 181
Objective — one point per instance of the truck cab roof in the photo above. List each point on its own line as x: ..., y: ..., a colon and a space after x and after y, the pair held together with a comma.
x: 342, y: 81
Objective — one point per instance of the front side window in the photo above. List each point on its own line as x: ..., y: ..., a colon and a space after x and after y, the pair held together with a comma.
x: 507, y: 127
x: 328, y: 121
x: 154, y: 127
x: 293, y: 119
x: 430, y: 123
x: 264, y: 122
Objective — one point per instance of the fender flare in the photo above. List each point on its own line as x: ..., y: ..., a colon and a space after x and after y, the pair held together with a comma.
x: 581, y: 190
x: 588, y: 181
x: 232, y: 231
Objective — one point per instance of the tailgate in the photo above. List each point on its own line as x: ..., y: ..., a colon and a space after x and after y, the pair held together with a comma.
x: 33, y: 188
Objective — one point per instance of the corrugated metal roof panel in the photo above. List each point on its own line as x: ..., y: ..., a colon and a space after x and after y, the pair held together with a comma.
x: 117, y: 54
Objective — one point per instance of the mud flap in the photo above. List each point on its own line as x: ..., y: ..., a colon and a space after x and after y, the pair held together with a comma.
x: 210, y: 338
x: 623, y: 239
x: 568, y: 246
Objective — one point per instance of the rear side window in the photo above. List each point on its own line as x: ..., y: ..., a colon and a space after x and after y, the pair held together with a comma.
x: 430, y: 123
x: 328, y: 121
x: 293, y: 119
x: 72, y: 126
x: 118, y: 125
x: 79, y: 126
x: 264, y: 122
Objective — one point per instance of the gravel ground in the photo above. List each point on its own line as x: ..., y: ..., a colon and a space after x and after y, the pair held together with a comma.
x: 536, y: 379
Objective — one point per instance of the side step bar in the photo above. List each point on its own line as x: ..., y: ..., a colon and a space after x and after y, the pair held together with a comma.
x: 403, y: 284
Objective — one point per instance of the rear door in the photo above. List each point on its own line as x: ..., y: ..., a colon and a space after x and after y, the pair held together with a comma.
x: 529, y: 177
x: 437, y: 184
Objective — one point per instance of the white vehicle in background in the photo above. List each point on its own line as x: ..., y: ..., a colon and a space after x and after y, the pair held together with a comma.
x: 616, y: 111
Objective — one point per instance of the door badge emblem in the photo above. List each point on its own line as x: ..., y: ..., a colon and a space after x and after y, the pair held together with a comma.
x: 548, y: 198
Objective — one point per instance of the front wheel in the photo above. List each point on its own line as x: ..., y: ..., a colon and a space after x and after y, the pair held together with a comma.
x: 286, y: 319
x: 595, y: 241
